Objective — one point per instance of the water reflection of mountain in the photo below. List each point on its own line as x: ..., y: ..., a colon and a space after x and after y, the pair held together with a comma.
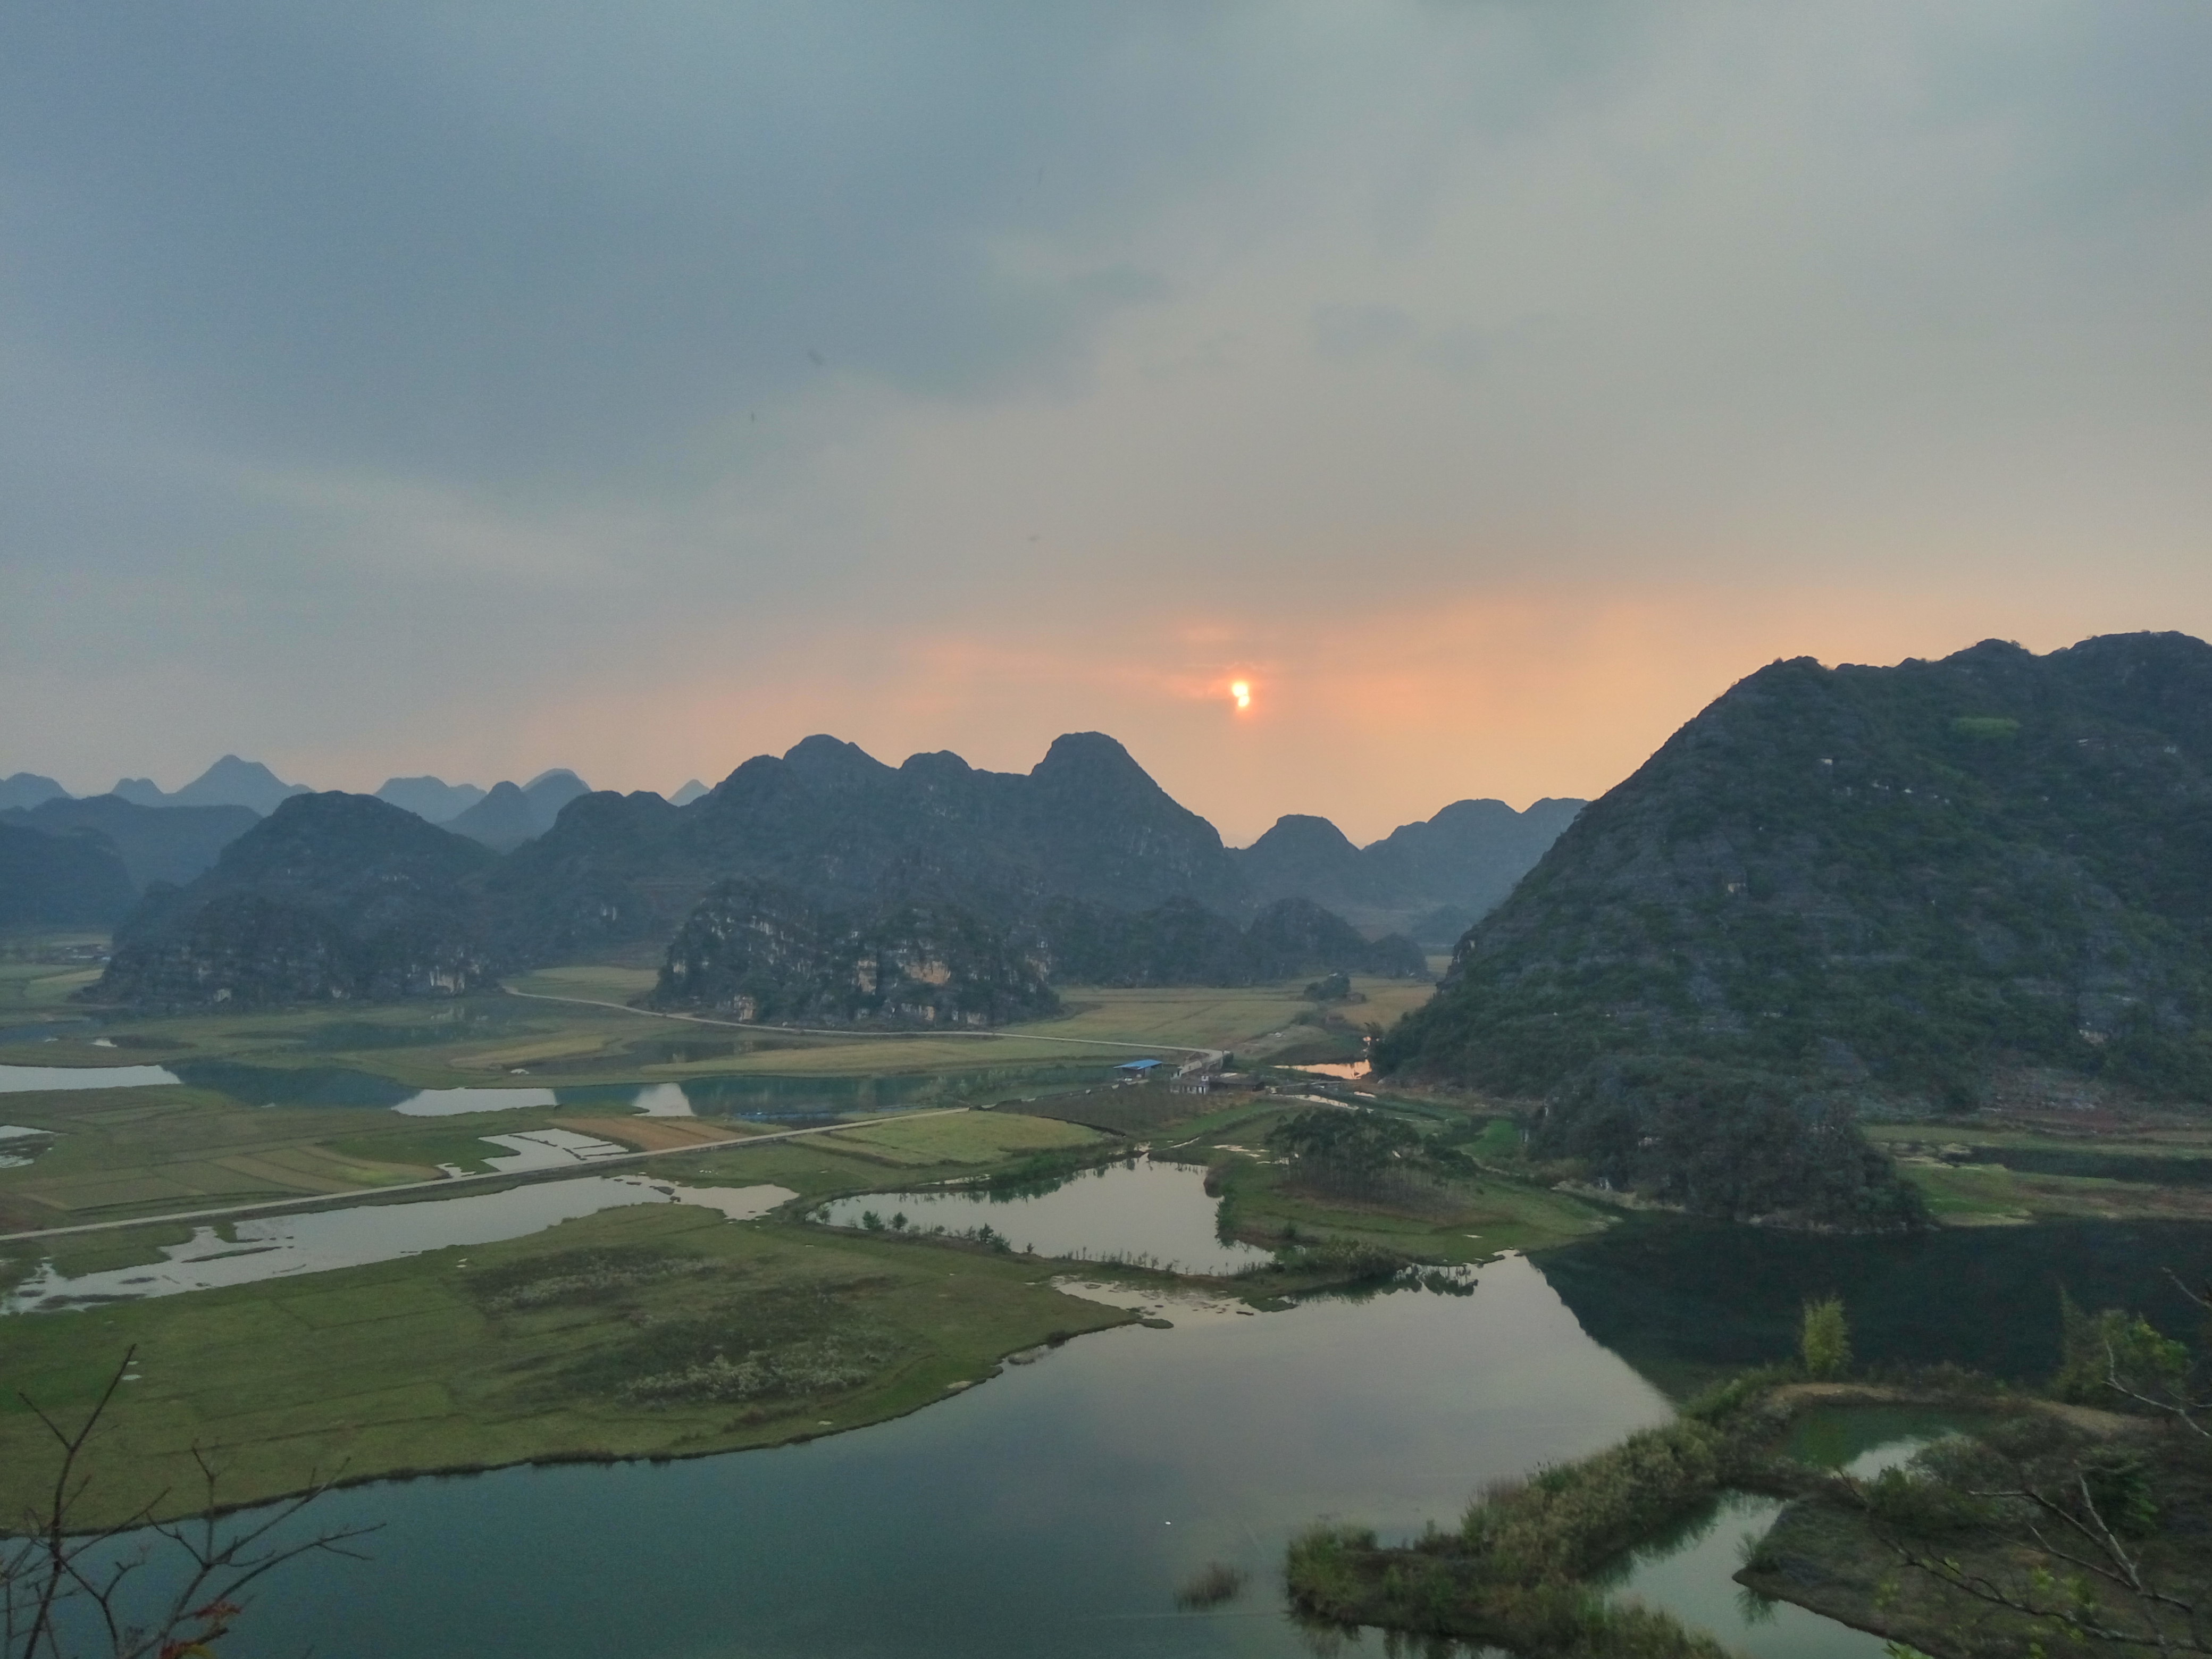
x: 1681, y: 1299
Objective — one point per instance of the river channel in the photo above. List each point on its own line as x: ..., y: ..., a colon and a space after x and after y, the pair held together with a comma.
x: 1056, y: 1508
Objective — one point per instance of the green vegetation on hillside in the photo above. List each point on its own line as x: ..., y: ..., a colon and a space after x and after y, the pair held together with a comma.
x: 1886, y: 884
x: 765, y: 954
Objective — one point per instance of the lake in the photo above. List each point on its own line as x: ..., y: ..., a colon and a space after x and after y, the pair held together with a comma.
x: 1058, y: 1506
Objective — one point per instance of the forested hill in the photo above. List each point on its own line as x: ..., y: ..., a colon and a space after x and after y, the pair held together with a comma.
x: 1918, y: 882
x: 1431, y: 880
x: 1083, y: 866
x: 839, y: 828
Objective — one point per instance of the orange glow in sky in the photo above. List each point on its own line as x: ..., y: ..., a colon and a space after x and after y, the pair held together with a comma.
x: 1242, y: 690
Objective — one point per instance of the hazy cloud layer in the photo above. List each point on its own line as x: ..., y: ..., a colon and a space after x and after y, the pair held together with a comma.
x: 481, y: 388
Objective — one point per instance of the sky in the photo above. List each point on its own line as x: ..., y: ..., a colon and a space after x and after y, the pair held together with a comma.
x: 479, y: 388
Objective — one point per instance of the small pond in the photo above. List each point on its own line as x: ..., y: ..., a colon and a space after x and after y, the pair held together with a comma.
x: 1142, y: 1213
x: 19, y: 1146
x: 277, y: 1247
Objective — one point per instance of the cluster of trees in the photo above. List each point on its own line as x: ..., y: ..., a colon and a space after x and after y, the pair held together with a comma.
x: 1729, y: 1143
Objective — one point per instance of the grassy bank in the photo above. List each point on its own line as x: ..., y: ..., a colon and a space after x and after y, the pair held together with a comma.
x: 1458, y: 1209
x: 2001, y: 1169
x: 653, y: 1331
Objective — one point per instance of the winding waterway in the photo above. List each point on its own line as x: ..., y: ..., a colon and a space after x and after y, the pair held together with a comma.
x: 1057, y: 1508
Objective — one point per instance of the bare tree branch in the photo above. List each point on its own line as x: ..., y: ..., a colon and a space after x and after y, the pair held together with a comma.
x: 50, y: 1567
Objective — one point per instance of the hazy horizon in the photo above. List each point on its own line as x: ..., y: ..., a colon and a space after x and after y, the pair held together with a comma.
x: 476, y: 392
x: 1356, y: 830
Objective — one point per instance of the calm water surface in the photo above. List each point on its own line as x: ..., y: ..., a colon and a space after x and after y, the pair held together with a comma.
x: 1692, y: 1573
x: 1056, y: 1508
x: 1053, y: 1511
x: 1155, y: 1214
x: 25, y: 1079
x: 276, y: 1247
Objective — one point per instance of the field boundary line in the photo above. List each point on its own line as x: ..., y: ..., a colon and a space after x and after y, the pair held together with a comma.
x: 447, y: 1183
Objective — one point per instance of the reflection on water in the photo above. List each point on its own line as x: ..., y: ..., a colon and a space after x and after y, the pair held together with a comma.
x: 453, y: 1103
x: 1865, y: 1440
x: 1153, y: 1215
x: 1054, y: 1510
x: 23, y: 1079
x: 750, y: 1096
x: 1691, y: 1572
x: 1692, y: 1575
x: 281, y: 1246
x: 1684, y: 1300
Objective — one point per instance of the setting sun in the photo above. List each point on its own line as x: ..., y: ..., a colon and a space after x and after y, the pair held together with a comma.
x: 1242, y: 690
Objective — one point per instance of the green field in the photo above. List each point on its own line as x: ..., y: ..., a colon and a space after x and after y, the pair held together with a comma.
x: 151, y: 1151
x: 415, y: 1364
x: 1463, y: 1220
x: 39, y: 973
x: 2025, y: 1174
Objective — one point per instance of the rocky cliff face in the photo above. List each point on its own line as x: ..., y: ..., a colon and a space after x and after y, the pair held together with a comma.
x: 332, y: 896
x: 760, y: 952
x: 1898, y: 882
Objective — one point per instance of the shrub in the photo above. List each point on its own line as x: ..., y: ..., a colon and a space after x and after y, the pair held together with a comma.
x: 1824, y: 1340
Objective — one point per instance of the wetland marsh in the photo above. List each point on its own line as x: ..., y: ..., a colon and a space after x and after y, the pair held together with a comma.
x: 958, y: 1446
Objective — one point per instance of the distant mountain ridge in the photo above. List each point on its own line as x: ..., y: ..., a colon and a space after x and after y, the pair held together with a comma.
x: 839, y: 831
x: 844, y: 831
x: 21, y: 791
x: 229, y: 782
x: 511, y: 814
x: 1431, y: 880
x: 1905, y: 883
x: 170, y: 844
x: 432, y: 800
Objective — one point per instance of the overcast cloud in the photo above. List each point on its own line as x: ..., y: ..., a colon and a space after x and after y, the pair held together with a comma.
x: 479, y: 388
